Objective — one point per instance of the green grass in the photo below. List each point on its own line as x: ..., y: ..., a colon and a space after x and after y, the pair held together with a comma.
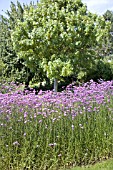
x: 105, y: 165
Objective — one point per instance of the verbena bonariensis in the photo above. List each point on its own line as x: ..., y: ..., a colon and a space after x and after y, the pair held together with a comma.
x: 50, y: 129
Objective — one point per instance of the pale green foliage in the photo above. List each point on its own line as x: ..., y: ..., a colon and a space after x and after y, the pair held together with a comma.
x: 55, y: 66
x: 60, y: 36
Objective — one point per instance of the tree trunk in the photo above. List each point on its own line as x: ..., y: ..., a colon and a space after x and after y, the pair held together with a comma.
x: 55, y: 85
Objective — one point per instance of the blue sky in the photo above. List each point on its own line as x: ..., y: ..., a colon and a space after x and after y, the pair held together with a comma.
x: 95, y: 6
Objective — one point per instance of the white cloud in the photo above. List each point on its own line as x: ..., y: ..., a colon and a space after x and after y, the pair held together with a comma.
x: 96, y: 2
x: 111, y: 9
x: 98, y: 6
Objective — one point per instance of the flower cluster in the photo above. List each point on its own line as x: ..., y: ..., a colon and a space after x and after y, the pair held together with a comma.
x: 75, y: 124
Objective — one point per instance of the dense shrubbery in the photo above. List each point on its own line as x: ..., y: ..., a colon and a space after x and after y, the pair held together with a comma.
x: 101, y: 69
x: 52, y: 130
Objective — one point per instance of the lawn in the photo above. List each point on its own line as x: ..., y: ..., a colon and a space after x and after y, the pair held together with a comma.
x: 105, y: 165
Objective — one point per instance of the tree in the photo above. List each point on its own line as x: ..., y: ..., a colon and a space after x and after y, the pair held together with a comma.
x: 108, y: 16
x: 14, y: 66
x: 60, y: 36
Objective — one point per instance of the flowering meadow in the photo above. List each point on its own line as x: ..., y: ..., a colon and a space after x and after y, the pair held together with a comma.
x: 51, y: 130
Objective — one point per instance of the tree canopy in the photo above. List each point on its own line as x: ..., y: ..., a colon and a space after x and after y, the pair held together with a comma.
x: 61, y: 37
x: 108, y: 16
x: 13, y: 65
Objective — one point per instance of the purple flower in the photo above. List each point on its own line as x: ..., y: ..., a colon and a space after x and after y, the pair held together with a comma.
x: 24, y: 134
x: 52, y: 144
x: 60, y: 155
x: 16, y: 143
x: 72, y: 127
x: 25, y: 114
